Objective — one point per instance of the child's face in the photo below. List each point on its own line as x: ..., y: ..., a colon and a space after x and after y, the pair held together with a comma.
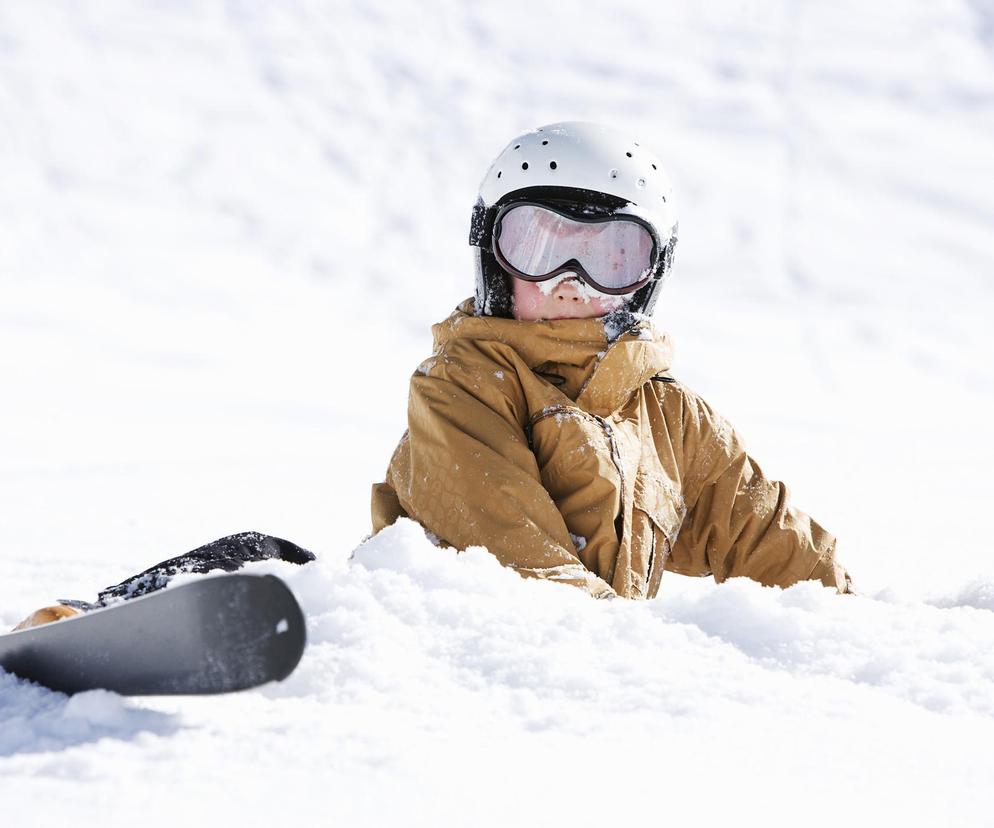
x: 565, y: 296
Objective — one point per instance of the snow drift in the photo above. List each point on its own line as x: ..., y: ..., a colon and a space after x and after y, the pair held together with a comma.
x: 227, y: 227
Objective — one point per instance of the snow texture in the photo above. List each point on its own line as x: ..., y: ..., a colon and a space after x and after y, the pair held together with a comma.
x: 227, y: 228
x: 586, y: 292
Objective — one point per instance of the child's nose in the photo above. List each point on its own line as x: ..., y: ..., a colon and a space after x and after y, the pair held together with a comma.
x: 571, y: 291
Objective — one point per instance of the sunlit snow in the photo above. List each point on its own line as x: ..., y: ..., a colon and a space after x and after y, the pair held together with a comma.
x: 226, y: 230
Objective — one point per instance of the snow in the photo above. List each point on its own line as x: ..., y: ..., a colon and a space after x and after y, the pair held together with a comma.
x: 584, y: 291
x: 227, y: 230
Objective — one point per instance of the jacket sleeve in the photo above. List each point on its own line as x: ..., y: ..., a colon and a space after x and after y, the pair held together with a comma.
x: 739, y: 523
x: 465, y: 470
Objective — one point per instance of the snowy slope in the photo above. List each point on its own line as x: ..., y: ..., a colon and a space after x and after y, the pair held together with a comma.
x: 226, y: 229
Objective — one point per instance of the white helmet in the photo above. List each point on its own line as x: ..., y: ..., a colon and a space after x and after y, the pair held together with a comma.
x: 579, y: 168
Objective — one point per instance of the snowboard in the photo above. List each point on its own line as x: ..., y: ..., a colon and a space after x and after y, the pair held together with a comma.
x: 216, y: 634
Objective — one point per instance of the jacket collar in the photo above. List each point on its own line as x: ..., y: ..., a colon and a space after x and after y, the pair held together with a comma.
x: 609, y: 368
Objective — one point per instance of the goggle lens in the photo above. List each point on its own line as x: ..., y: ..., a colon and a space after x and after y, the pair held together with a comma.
x: 616, y: 255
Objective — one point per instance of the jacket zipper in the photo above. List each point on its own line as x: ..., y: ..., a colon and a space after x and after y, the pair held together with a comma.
x: 616, y: 459
x: 652, y: 558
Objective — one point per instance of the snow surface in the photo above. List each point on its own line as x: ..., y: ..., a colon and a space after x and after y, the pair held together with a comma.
x: 227, y: 227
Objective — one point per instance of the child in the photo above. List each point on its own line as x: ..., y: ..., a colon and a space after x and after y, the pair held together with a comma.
x: 545, y: 425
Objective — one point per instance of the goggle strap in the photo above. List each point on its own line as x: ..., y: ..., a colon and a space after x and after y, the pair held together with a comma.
x: 481, y: 225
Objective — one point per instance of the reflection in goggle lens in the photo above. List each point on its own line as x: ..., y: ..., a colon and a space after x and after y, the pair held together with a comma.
x: 536, y: 241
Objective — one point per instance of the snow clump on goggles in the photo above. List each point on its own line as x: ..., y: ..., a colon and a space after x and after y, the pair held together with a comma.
x: 613, y: 254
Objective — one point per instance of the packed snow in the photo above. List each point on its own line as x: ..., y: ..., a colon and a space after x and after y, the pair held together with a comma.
x: 227, y: 228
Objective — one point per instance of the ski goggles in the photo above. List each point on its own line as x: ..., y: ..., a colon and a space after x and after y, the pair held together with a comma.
x: 614, y: 254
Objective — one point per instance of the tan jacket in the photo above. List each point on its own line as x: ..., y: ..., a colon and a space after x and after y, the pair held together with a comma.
x: 580, y: 460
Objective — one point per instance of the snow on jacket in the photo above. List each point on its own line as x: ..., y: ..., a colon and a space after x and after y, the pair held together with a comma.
x: 578, y: 459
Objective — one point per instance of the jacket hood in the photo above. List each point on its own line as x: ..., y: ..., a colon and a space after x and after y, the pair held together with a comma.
x: 601, y: 360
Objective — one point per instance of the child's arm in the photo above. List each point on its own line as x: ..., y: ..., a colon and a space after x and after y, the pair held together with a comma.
x: 739, y: 523
x: 466, y: 473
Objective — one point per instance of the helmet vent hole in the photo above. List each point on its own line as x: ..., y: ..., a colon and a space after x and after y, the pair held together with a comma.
x: 635, y: 142
x: 552, y: 165
x: 613, y: 174
x: 517, y: 146
x: 628, y: 154
x: 546, y: 141
x: 654, y: 167
x: 524, y: 166
x: 499, y: 172
x: 664, y: 199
